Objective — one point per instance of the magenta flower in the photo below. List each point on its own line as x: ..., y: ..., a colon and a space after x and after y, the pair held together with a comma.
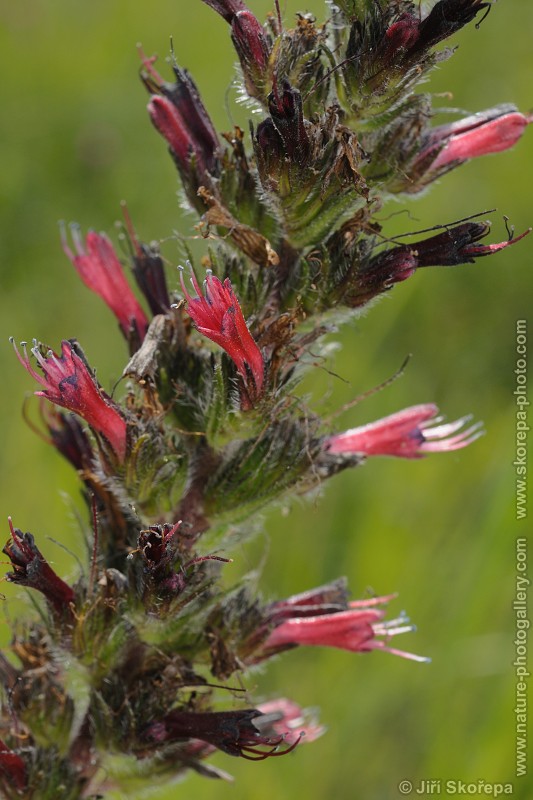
x: 359, y: 628
x: 237, y: 733
x: 101, y: 271
x: 406, y: 434
x: 32, y: 570
x: 481, y: 134
x: 12, y: 767
x: 218, y: 315
x: 67, y: 381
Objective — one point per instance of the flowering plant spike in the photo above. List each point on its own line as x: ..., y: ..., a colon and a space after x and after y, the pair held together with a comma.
x: 214, y: 426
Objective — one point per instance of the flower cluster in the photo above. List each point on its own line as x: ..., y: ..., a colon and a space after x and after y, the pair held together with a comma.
x: 134, y: 668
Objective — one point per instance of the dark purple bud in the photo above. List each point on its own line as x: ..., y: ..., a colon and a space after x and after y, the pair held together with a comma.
x: 287, y: 115
x: 148, y: 270
x: 186, y: 98
x: 150, y: 276
x: 32, y: 570
x: 68, y: 436
x: 400, y: 36
x: 177, y: 111
x: 159, y: 554
x: 323, y: 600
x: 446, y: 18
x: 269, y: 150
x: 454, y: 246
x: 12, y: 767
x: 226, y: 8
x: 237, y: 733
x: 411, y: 36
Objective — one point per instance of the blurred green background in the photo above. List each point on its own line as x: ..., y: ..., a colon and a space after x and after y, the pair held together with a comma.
x: 441, y: 531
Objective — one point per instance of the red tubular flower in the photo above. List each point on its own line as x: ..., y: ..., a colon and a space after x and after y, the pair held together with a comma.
x: 12, y: 767
x: 355, y: 629
x: 218, y: 316
x: 99, y: 268
x: 488, y: 132
x: 32, y: 570
x: 237, y: 733
x: 67, y: 381
x: 405, y: 434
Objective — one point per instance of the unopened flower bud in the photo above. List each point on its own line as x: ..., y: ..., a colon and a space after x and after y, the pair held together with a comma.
x: 177, y: 111
x: 68, y: 436
x: 250, y: 40
x: 455, y: 245
x: 446, y: 18
x: 32, y: 570
x: 237, y: 733
x: 12, y: 768
x: 226, y: 8
x: 253, y: 48
x: 286, y: 110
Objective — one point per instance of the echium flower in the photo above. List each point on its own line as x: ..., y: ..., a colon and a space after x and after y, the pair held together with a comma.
x: 447, y: 146
x: 247, y: 733
x: 288, y: 719
x: 458, y: 244
x: 358, y: 628
x: 99, y: 268
x: 410, y: 433
x: 67, y: 381
x: 178, y: 113
x: 217, y: 314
